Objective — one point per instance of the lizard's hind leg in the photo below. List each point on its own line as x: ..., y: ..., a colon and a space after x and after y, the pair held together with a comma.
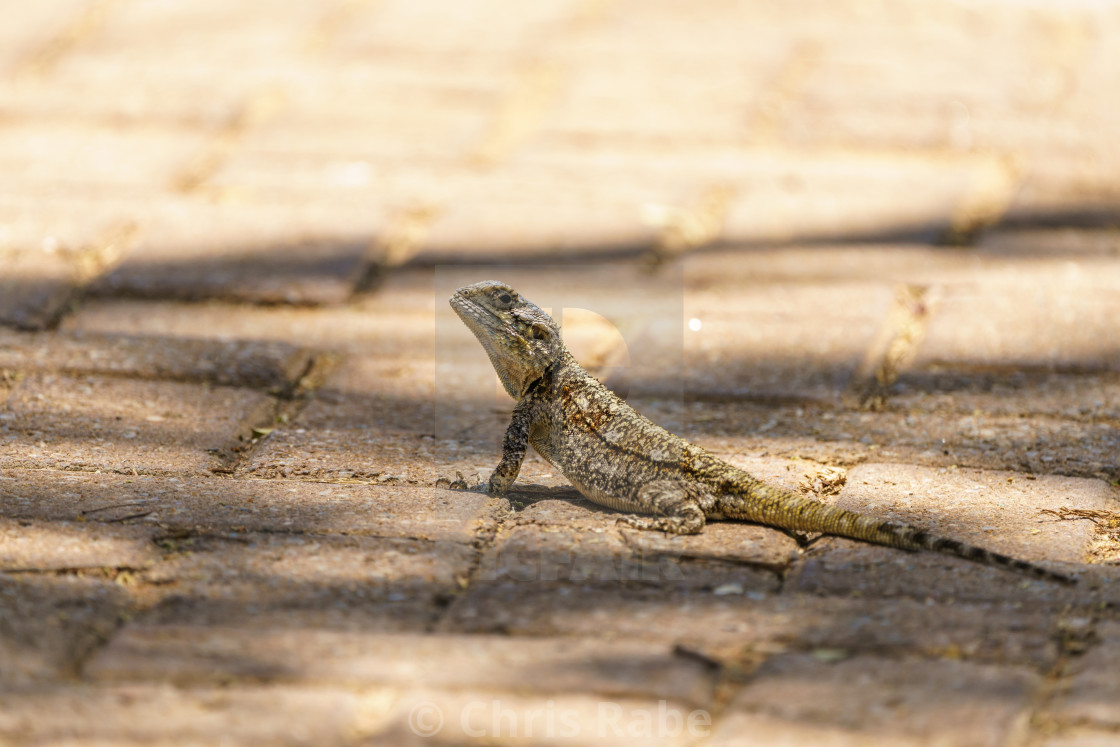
x: 676, y: 510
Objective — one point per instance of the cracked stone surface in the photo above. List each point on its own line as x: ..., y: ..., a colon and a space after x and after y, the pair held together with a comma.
x: 34, y: 288
x: 802, y: 699
x: 272, y: 366
x: 36, y: 546
x: 52, y: 621
x: 292, y: 253
x: 145, y: 713
x: 99, y: 423
x: 612, y: 668
x: 1092, y: 693
x: 292, y: 581
x: 216, y: 504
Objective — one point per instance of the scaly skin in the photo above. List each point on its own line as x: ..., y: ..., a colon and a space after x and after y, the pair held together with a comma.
x: 617, y: 458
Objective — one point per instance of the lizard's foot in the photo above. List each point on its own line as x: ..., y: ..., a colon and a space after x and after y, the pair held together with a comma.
x: 460, y: 483
x: 498, y: 485
x: 503, y: 475
x: 668, y: 524
x: 676, y: 511
x: 802, y: 539
x: 686, y: 519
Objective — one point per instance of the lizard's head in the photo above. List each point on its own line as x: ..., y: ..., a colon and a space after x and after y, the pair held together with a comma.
x: 521, y: 340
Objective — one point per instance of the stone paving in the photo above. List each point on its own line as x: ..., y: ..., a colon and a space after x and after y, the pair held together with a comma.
x: 866, y: 250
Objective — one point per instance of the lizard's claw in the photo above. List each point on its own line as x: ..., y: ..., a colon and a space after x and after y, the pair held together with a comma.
x: 459, y: 483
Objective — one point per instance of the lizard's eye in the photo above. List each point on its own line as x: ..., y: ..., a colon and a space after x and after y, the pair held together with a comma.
x: 505, y: 299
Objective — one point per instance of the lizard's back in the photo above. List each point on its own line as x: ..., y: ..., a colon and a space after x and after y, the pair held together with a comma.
x: 607, y: 449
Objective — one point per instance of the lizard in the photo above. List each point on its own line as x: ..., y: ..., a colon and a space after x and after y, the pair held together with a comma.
x: 617, y: 458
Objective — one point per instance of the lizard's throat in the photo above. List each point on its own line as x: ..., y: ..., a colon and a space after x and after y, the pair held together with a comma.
x: 519, y: 385
x: 510, y: 382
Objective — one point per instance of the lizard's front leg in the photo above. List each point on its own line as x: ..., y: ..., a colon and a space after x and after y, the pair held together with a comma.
x: 513, y: 449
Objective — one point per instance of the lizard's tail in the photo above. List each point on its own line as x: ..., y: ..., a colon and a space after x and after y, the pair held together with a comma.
x: 768, y: 505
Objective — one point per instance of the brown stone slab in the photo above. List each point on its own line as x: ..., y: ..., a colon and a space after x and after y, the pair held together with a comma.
x: 980, y: 325
x: 598, y: 553
x: 267, y: 365
x: 375, y: 418
x: 126, y: 425
x: 1067, y: 248
x: 486, y: 231
x: 804, y: 699
x: 309, y: 252
x: 1082, y: 737
x: 54, y: 240
x: 543, y: 208
x: 736, y: 624
x: 51, y: 621
x: 777, y: 194
x: 1093, y: 695
x: 1052, y: 197
x: 73, y: 154
x: 141, y: 31
x: 138, y: 714
x: 553, y: 665
x: 376, y: 453
x: 34, y: 288
x: 945, y: 387
x: 44, y: 546
x: 978, y: 96
x: 395, y: 320
x: 847, y: 568
x: 1039, y: 444
x: 304, y: 582
x: 765, y: 339
x: 1071, y: 321
x: 85, y: 227
x: 511, y: 24
x: 211, y: 504
x: 563, y: 199
x: 664, y: 98
x: 652, y: 611
x: 37, y: 26
x: 81, y: 89
x: 321, y: 137
x: 824, y: 265
x: 999, y: 511
x: 971, y: 324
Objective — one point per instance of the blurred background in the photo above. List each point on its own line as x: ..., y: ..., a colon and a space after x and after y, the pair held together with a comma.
x: 294, y: 152
x: 872, y: 241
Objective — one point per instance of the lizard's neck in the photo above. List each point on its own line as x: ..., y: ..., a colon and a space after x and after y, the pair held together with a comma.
x: 561, y: 364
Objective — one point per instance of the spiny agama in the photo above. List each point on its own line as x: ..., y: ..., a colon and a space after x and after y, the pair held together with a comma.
x: 617, y: 458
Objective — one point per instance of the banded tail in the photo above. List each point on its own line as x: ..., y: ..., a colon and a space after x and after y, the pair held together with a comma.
x: 780, y: 508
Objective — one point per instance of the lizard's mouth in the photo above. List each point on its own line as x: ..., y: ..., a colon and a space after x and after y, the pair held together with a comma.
x: 478, y: 318
x: 468, y: 310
